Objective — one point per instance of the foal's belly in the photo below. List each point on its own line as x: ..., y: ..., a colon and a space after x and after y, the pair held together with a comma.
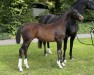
x: 47, y: 38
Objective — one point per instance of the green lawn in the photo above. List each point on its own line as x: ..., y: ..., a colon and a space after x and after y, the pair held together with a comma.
x: 83, y: 63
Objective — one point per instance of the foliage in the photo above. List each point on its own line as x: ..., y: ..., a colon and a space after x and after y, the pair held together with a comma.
x: 13, y: 13
x: 4, y: 36
x: 85, y: 28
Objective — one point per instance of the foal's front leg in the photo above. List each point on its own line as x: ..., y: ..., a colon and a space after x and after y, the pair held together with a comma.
x: 59, y: 52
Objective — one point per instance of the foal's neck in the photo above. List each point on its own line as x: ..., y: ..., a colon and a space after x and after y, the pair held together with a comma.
x: 64, y: 18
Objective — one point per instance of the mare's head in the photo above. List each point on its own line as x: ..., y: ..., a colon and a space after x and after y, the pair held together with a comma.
x: 75, y: 14
x: 89, y: 4
x: 81, y: 5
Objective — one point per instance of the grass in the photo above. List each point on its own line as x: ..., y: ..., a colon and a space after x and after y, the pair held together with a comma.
x: 83, y: 63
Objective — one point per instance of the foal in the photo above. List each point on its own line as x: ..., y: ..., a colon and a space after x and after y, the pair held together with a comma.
x: 56, y: 32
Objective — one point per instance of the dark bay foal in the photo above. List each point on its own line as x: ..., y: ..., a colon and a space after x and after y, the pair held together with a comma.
x: 56, y: 32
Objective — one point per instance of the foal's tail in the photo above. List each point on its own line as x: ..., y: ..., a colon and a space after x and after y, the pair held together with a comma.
x: 39, y: 43
x: 18, y: 36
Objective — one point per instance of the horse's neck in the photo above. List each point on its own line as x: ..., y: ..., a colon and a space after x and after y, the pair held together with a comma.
x: 80, y: 7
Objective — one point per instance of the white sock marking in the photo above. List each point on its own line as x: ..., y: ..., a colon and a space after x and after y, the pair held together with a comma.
x: 20, y: 65
x: 59, y: 64
x: 49, y: 51
x: 63, y: 64
x: 26, y: 63
x: 65, y: 61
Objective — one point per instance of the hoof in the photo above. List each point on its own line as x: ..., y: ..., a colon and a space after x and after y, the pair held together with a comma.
x: 63, y: 64
x: 27, y: 67
x: 20, y: 70
x: 45, y: 55
x: 49, y: 51
x: 65, y: 61
x: 72, y: 58
x: 59, y: 65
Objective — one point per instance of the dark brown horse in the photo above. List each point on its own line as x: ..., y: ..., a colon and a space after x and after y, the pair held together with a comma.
x: 56, y: 32
x: 72, y: 28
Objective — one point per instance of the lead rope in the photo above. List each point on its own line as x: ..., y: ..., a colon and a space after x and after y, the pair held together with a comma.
x: 85, y: 43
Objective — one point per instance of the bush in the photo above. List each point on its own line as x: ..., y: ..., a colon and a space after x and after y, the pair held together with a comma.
x: 16, y: 13
x: 4, y: 36
x: 85, y: 27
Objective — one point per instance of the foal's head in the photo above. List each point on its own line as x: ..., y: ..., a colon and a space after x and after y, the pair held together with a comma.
x: 75, y: 14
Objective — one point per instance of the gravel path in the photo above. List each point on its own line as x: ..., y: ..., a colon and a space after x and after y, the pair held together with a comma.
x: 12, y: 41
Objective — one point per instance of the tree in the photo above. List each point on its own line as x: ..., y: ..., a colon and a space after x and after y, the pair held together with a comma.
x: 13, y: 14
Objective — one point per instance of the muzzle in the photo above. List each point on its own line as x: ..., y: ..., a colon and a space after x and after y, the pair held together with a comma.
x: 81, y: 17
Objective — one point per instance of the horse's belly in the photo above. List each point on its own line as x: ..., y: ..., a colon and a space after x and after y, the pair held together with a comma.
x: 47, y: 38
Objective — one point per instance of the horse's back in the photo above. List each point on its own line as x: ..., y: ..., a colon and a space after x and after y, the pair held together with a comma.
x: 48, y: 19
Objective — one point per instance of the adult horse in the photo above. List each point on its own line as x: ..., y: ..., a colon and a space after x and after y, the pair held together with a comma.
x: 72, y: 28
x: 36, y: 30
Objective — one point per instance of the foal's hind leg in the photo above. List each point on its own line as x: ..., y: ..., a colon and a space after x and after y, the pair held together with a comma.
x: 23, y: 50
x: 25, y: 53
x: 49, y: 51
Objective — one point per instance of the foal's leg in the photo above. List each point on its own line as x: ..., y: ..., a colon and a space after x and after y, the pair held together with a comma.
x: 64, y: 48
x: 59, y: 52
x: 23, y: 50
x: 25, y: 53
x: 71, y: 46
x: 49, y: 51
x: 20, y: 59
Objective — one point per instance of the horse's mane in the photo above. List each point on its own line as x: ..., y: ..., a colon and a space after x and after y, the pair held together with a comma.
x: 75, y: 3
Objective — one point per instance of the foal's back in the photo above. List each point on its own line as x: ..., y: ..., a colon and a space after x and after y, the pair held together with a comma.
x: 41, y: 31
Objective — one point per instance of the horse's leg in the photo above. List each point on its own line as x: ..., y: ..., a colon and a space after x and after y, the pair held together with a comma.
x: 25, y: 53
x: 71, y: 45
x: 64, y: 48
x: 59, y: 52
x: 48, y: 45
x: 20, y: 59
x: 22, y: 51
x: 45, y: 53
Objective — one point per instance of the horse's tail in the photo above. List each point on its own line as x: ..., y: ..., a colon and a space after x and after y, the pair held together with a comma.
x: 18, y: 36
x: 39, y: 43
